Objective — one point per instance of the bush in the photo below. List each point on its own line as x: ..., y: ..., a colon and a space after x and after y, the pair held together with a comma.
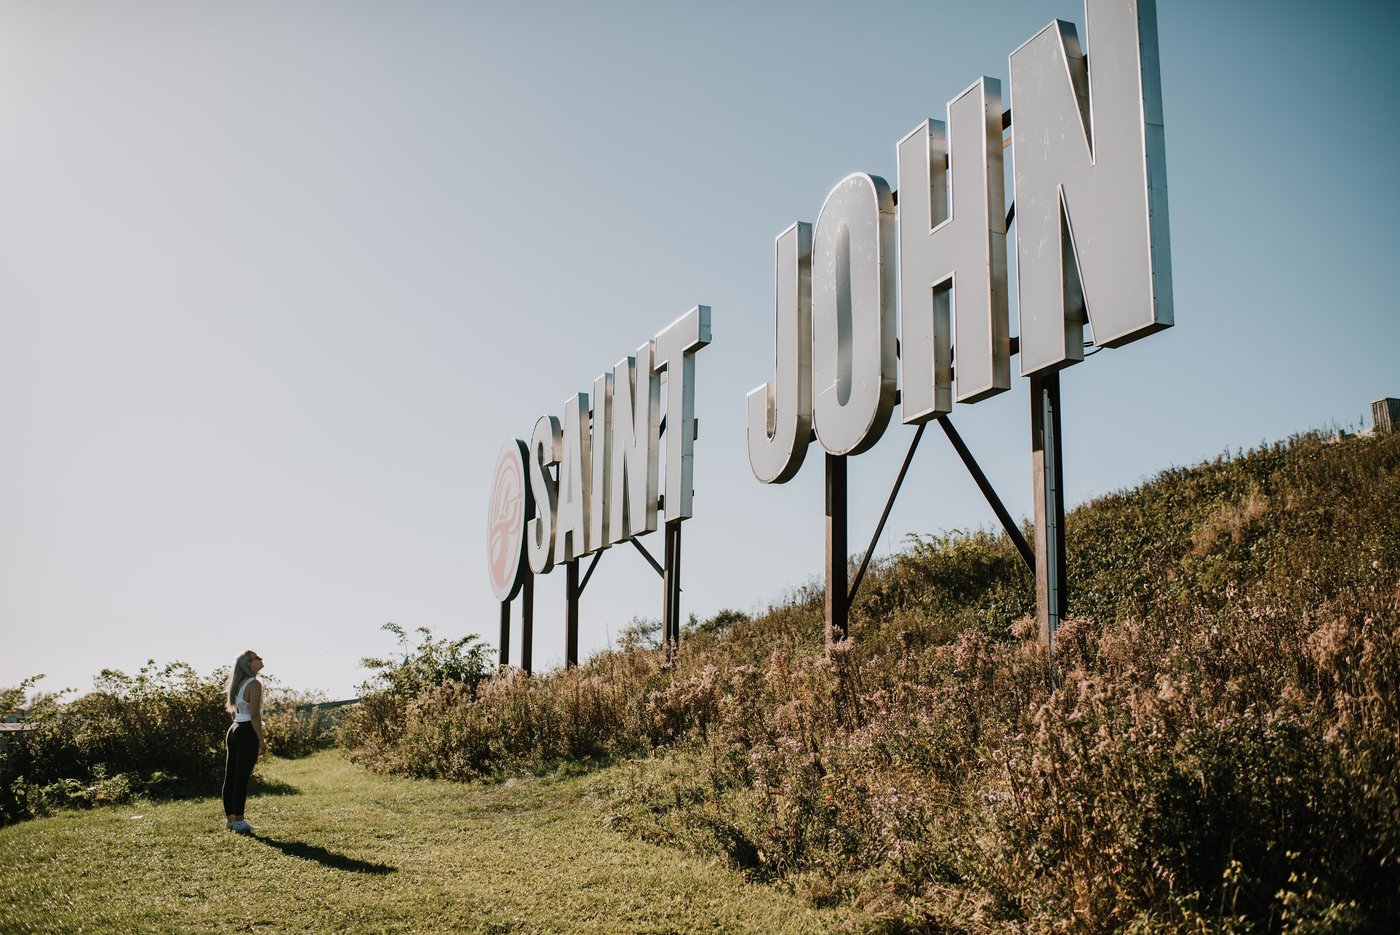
x: 435, y: 669
x: 158, y: 731
x: 296, y: 724
x: 491, y: 723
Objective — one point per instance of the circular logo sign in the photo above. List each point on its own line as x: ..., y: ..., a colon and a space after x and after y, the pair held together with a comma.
x: 505, y: 521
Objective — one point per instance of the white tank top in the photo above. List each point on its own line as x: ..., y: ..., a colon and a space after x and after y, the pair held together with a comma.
x: 245, y: 713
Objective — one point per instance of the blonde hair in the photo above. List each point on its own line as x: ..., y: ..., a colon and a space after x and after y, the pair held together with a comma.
x: 242, y: 671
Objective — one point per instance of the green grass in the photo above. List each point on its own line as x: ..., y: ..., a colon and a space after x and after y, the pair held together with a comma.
x: 342, y: 850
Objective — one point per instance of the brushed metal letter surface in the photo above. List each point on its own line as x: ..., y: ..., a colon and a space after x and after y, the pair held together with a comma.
x: 853, y: 315
x: 675, y: 353
x: 575, y: 471
x: 1091, y: 185
x: 546, y: 446
x: 952, y: 251
x: 600, y: 483
x: 636, y: 445
x: 780, y: 413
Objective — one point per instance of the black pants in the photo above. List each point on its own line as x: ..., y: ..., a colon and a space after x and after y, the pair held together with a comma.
x: 238, y: 768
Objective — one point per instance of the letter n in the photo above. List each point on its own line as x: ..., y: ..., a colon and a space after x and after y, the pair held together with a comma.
x: 1091, y: 185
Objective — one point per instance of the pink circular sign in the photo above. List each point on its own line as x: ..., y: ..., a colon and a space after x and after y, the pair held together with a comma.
x: 505, y: 521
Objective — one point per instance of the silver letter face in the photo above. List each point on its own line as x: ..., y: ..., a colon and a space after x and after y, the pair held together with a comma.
x: 511, y: 505
x: 605, y: 487
x: 575, y: 470
x: 636, y: 442
x: 546, y: 446
x: 853, y: 315
x: 780, y: 413
x: 952, y: 251
x: 1091, y: 185
x: 600, y: 485
x: 675, y: 353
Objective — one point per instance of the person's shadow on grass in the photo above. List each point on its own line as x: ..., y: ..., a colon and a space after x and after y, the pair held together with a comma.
x: 324, y: 857
x: 261, y: 785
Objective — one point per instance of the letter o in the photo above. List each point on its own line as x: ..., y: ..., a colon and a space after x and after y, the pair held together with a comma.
x: 853, y: 315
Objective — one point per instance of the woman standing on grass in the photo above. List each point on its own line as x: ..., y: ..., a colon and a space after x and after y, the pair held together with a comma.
x: 244, y: 738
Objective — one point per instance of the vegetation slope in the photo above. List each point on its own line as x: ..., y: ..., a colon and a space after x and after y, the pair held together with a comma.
x: 1215, y: 745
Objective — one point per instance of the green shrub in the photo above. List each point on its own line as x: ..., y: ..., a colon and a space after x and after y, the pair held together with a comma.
x: 158, y: 731
x: 435, y: 669
x: 499, y: 722
x: 297, y: 723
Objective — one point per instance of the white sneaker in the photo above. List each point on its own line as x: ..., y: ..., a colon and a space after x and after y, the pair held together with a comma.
x: 241, y: 826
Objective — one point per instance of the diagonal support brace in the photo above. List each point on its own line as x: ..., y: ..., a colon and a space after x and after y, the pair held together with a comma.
x: 1007, y: 523
x: 589, y: 573
x: 884, y: 517
x: 647, y: 555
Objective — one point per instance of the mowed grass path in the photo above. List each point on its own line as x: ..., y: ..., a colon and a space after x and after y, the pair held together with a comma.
x: 339, y: 850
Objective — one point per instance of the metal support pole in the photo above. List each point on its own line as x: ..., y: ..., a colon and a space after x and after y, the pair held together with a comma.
x: 666, y: 589
x: 676, y: 587
x: 505, y: 635
x: 1047, y: 465
x: 837, y: 595
x: 571, y: 613
x: 527, y: 621
x: 671, y: 585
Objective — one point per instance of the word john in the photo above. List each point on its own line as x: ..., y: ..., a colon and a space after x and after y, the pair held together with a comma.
x: 1091, y: 247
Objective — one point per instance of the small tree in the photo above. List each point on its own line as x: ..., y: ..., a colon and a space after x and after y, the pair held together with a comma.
x: 430, y: 664
x: 641, y: 633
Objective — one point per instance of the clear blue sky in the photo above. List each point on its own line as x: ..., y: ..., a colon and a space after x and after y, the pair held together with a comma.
x: 277, y: 280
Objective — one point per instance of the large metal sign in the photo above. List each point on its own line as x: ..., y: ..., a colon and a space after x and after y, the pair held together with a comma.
x: 1090, y: 214
x: 891, y: 298
x: 593, y: 480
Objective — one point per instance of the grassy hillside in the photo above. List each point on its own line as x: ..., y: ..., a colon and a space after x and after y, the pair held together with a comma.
x: 341, y: 850
x: 1215, y: 746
